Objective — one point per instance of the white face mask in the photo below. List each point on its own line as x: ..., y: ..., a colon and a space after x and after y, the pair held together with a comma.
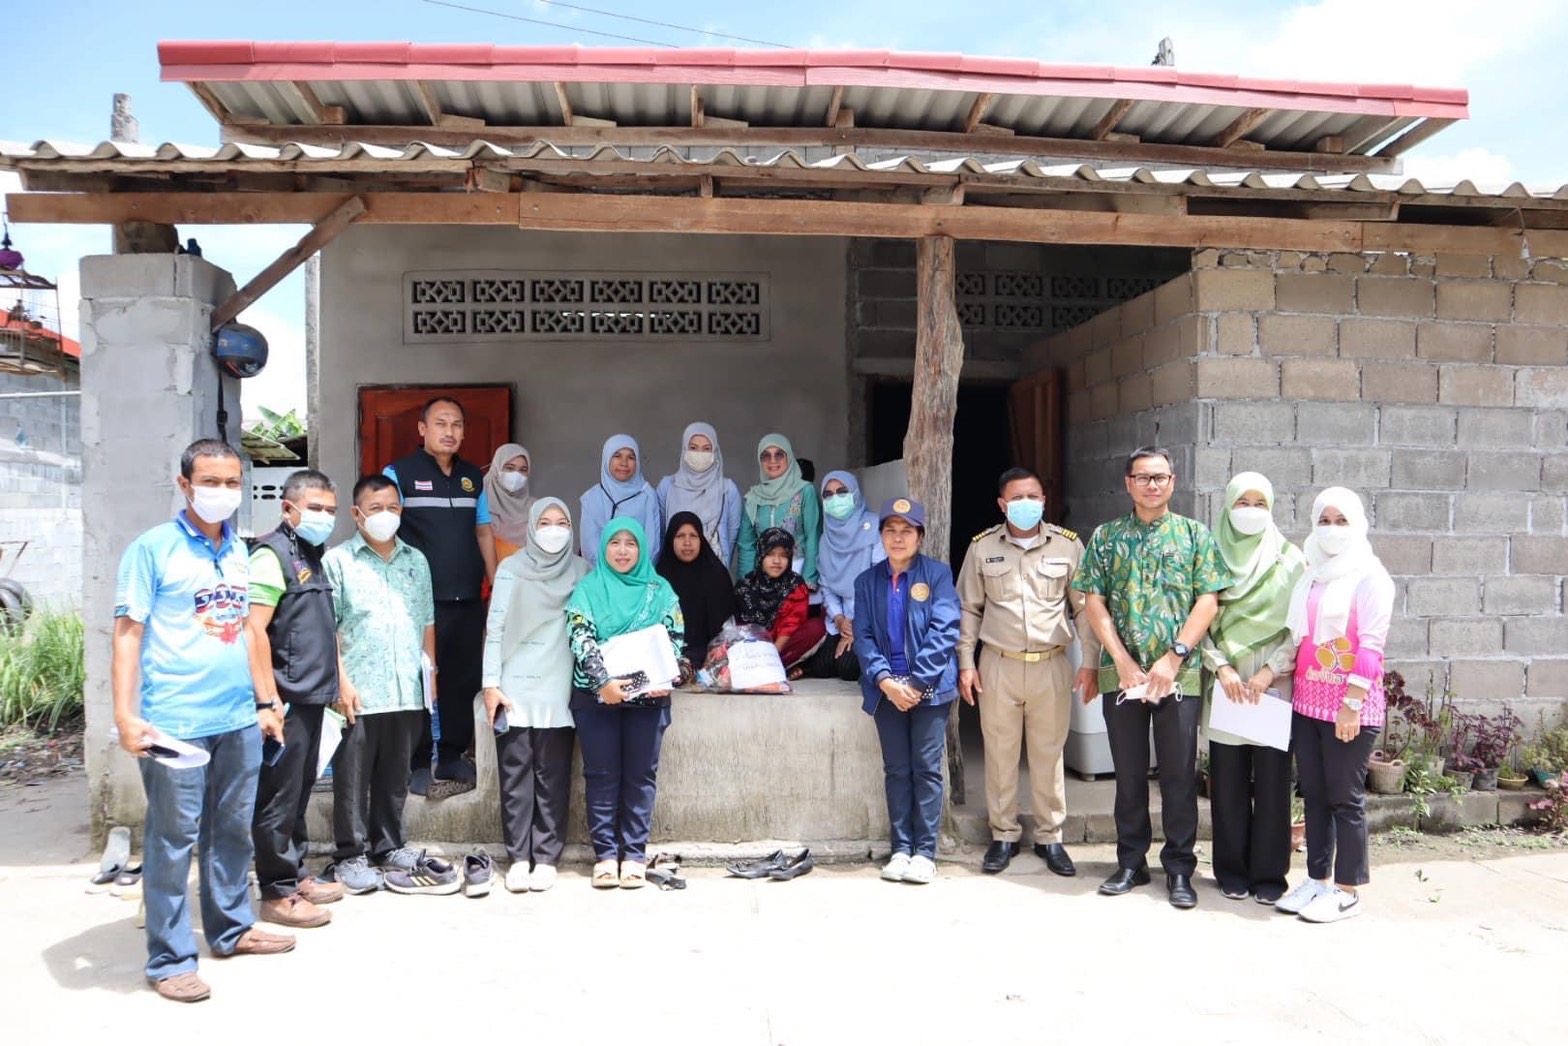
x: 1332, y: 539
x: 382, y: 526
x: 552, y: 539
x: 513, y: 482
x: 1250, y: 520
x: 699, y: 460
x: 214, y: 504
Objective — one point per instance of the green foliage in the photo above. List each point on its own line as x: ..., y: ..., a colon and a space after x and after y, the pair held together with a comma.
x: 1547, y: 752
x: 41, y: 673
x: 277, y: 427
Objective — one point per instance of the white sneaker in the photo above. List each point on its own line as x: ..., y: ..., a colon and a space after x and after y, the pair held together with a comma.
x: 542, y: 879
x: 895, y: 870
x: 1333, y: 906
x: 1307, y: 891
x: 921, y: 871
x: 517, y: 877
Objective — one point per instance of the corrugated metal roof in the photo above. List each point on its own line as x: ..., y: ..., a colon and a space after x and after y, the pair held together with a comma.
x: 172, y: 158
x: 378, y: 85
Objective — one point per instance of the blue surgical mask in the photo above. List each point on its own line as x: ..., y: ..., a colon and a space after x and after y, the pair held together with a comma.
x: 839, y: 506
x: 1025, y: 513
x: 314, y: 527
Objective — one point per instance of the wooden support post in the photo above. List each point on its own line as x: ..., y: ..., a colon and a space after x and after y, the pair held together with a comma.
x: 977, y: 112
x: 939, y: 355
x: 835, y: 103
x: 1109, y: 121
x: 323, y: 233
x: 1241, y: 125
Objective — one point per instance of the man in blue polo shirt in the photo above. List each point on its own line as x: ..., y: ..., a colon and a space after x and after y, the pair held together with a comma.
x: 181, y: 667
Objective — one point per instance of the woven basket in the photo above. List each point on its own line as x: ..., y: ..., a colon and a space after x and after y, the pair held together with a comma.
x: 1386, y: 778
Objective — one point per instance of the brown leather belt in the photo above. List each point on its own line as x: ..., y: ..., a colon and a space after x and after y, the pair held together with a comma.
x: 1031, y: 656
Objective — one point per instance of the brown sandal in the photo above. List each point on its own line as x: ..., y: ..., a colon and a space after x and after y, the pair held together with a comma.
x: 634, y: 875
x: 604, y: 876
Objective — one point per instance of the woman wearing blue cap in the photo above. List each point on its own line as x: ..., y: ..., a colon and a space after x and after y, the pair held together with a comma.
x: 906, y: 637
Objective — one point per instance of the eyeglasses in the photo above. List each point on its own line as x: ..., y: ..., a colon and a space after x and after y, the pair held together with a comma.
x: 774, y: 455
x: 1152, y: 479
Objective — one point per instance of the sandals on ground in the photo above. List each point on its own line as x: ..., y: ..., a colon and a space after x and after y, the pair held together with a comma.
x: 634, y: 875
x: 604, y: 876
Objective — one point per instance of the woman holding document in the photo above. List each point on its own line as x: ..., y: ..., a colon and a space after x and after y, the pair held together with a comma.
x: 1339, y: 614
x: 1249, y: 658
x: 621, y: 715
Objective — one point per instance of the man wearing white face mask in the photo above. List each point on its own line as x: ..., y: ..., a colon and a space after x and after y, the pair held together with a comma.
x: 293, y: 637
x: 385, y: 613
x: 180, y: 667
x: 1015, y: 591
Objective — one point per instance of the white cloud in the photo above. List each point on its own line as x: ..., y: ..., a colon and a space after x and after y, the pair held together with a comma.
x: 281, y: 387
x: 1490, y: 171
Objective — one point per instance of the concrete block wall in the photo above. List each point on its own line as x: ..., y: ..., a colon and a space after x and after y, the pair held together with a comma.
x: 41, y: 489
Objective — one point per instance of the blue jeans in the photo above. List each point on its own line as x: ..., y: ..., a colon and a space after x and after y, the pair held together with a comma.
x: 209, y: 807
x: 913, y: 746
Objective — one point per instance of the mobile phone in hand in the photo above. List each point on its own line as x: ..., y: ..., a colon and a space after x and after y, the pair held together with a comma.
x: 501, y: 725
x: 271, y: 750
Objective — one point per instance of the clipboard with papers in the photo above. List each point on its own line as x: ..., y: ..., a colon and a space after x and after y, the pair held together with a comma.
x: 1264, y: 723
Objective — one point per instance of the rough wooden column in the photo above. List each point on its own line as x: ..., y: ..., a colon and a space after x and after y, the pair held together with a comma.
x: 939, y: 355
x: 928, y: 445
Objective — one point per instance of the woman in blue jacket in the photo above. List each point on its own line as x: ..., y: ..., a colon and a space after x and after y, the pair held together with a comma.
x: 906, y: 636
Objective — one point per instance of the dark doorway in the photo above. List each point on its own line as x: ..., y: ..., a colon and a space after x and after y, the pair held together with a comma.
x: 982, y: 449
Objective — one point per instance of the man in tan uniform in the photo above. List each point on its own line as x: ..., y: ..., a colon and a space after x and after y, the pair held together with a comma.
x: 1015, y: 589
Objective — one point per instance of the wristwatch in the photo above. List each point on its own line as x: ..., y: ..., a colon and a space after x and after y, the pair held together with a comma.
x: 269, y: 706
x: 1181, y: 650
x: 1354, y: 704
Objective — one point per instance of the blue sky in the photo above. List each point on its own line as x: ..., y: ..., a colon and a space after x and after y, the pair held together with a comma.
x: 69, y: 58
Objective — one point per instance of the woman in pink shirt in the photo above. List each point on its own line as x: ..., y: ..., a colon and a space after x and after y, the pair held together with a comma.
x: 1339, y: 616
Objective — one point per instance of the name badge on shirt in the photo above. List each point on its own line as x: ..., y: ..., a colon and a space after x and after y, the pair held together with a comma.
x: 424, y: 484
x: 996, y: 559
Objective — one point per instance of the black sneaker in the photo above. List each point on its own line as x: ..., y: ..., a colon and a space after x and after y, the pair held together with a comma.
x: 478, y: 872
x: 419, y: 782
x: 429, y: 875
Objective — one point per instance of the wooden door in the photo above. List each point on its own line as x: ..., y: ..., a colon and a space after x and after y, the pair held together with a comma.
x: 389, y: 421
x: 1036, y: 415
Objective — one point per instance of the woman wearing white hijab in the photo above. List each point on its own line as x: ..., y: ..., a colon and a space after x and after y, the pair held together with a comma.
x: 528, y: 687
x: 1248, y: 650
x: 509, y: 497
x: 1339, y: 615
x: 699, y: 486
x: 621, y: 492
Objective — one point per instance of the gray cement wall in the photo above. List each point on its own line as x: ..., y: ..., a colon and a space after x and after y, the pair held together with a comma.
x: 40, y: 489
x: 570, y: 396
x: 145, y: 371
x: 1437, y: 387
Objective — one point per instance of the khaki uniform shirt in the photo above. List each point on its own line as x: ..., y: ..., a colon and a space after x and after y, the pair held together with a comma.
x: 1021, y: 600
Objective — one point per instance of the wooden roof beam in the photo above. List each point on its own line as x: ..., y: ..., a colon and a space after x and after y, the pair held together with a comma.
x: 426, y: 92
x: 835, y: 103
x: 307, y: 97
x: 1413, y: 137
x: 1240, y: 126
x: 211, y: 102
x: 1109, y: 121
x: 977, y: 111
x: 324, y: 232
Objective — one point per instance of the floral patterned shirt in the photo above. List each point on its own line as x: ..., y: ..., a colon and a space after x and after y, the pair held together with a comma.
x: 383, y: 608
x: 1150, y: 575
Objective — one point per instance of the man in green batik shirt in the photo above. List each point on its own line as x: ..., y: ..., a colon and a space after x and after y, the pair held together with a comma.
x: 1151, y: 578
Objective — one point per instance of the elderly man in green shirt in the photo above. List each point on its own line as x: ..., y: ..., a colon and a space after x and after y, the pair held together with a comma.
x: 1151, y: 578
x: 382, y: 599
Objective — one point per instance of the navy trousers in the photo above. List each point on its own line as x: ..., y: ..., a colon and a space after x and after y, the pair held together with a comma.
x: 914, y: 744
x: 620, y: 746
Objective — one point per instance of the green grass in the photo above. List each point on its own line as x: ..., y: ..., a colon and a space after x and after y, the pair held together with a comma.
x: 41, y: 673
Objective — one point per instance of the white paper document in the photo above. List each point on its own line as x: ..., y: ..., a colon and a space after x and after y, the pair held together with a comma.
x: 331, y: 737
x: 1264, y: 723
x: 645, y: 650
x: 755, y: 664
x: 170, y: 751
x: 427, y: 677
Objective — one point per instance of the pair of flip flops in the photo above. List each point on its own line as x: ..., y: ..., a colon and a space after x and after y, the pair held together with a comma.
x: 664, y: 871
x: 777, y: 865
x: 124, y: 882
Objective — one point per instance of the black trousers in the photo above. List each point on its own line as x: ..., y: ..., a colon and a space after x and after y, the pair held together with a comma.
x: 536, y: 784
x: 1333, y: 775
x: 370, y: 783
x: 823, y: 665
x: 282, y: 796
x: 460, y: 647
x: 1250, y: 798
x: 1176, y: 743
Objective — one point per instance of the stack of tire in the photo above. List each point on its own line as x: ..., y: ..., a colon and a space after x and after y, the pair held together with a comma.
x: 15, y: 606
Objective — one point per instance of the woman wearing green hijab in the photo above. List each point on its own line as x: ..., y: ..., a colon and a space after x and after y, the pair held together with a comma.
x: 782, y: 499
x: 620, y: 734
x: 1248, y: 649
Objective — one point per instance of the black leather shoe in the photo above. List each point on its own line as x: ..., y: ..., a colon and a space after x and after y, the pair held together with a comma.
x: 1124, y: 880
x: 1181, y: 891
x: 794, y: 867
x: 998, y: 856
x: 1055, y: 857
x: 759, y: 868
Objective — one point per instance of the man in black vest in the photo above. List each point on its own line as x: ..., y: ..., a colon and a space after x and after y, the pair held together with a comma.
x: 446, y: 517
x: 294, y: 645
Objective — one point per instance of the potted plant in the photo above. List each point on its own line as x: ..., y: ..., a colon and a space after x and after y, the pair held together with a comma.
x: 1492, y: 743
x: 1551, y: 810
x: 1386, y: 769
x: 1428, y: 722
x: 1511, y: 780
x: 1462, y: 770
x: 1547, y: 756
